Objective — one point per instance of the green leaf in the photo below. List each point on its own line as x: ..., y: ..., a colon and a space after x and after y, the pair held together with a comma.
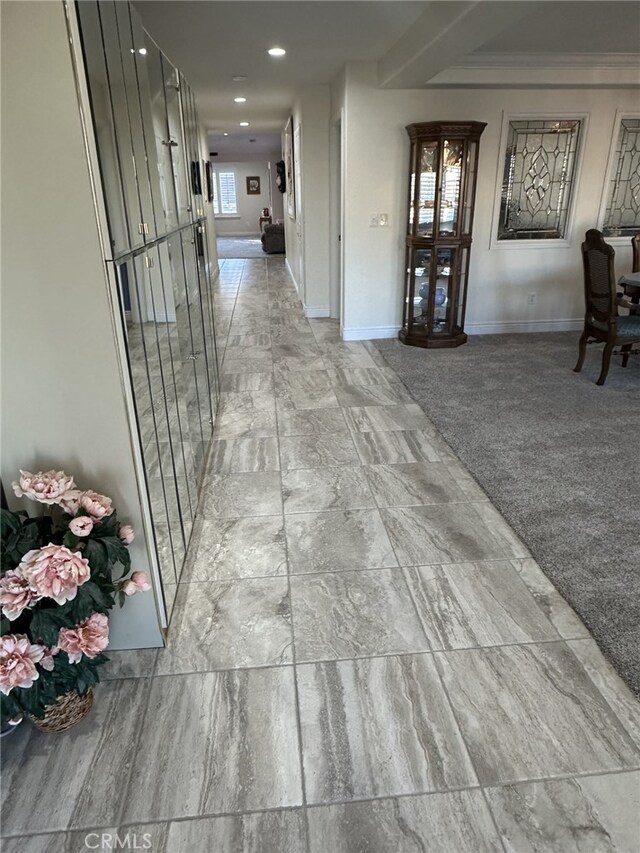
x: 117, y: 551
x: 70, y: 540
x: 96, y: 552
x: 45, y: 624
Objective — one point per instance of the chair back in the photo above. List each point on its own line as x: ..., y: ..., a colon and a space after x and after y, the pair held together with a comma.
x: 635, y: 245
x: 599, y: 278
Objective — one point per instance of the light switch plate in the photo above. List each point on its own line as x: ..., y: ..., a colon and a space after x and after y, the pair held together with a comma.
x: 383, y: 220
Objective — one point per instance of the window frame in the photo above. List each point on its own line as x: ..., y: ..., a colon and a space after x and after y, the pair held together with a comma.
x: 614, y: 240
x: 217, y: 194
x: 543, y: 242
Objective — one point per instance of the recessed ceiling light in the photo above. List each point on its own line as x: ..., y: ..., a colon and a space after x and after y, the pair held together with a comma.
x: 276, y: 51
x: 238, y: 78
x: 225, y: 133
x: 240, y: 100
x: 143, y: 51
x: 244, y: 124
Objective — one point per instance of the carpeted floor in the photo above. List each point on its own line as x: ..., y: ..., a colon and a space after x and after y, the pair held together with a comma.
x: 240, y: 247
x: 558, y: 455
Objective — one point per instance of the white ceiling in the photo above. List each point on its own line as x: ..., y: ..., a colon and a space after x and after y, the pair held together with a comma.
x: 243, y: 147
x: 212, y: 40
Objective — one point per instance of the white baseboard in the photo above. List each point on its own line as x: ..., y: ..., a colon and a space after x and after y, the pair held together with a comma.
x: 317, y: 313
x: 370, y: 334
x: 519, y: 327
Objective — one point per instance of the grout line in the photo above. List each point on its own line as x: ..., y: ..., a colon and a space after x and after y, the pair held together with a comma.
x: 567, y: 777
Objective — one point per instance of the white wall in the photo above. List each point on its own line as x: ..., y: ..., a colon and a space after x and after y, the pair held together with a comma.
x: 308, y: 237
x: 247, y: 221
x: 377, y: 152
x: 62, y: 387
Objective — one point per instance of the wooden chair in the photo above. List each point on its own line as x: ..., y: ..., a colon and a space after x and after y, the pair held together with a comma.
x: 635, y: 246
x: 602, y: 322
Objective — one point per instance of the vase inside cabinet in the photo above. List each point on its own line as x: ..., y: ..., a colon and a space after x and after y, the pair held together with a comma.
x: 442, y: 188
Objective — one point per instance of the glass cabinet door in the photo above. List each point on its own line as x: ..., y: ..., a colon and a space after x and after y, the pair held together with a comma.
x: 104, y: 124
x: 120, y: 112
x: 470, y: 186
x: 161, y: 137
x: 426, y: 200
x: 422, y: 274
x: 128, y: 51
x: 179, y: 156
x: 443, y: 292
x: 451, y: 178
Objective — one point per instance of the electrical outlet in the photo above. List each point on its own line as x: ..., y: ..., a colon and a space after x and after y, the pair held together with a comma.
x: 383, y: 219
x: 532, y: 299
x: 374, y: 220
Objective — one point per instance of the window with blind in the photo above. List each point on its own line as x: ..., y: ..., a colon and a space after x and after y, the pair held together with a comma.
x: 224, y: 194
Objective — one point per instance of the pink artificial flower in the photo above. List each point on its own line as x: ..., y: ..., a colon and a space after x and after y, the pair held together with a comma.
x: 141, y: 581
x: 126, y: 534
x: 71, y: 501
x: 18, y: 659
x: 90, y: 638
x: 82, y: 525
x: 98, y: 506
x: 16, y: 593
x: 47, y: 661
x: 138, y: 582
x: 55, y: 572
x: 46, y: 487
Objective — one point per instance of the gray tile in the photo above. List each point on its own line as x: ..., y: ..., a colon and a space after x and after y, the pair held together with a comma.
x: 235, y: 382
x: 305, y: 398
x: 282, y: 352
x: 237, y: 548
x: 593, y: 814
x: 393, y: 448
x: 623, y: 702
x: 243, y: 401
x: 261, y: 339
x: 322, y: 489
x: 216, y: 742
x: 306, y: 363
x: 338, y: 615
x: 131, y: 663
x: 263, y: 832
x: 387, y: 418
x: 351, y: 377
x: 337, y: 541
x: 413, y: 483
x: 377, y: 727
x: 317, y: 451
x: 311, y: 421
x: 231, y: 495
x: 237, y: 455
x: 441, y: 533
x: 347, y: 355
x: 457, y: 822
x: 501, y: 531
x: 85, y: 760
x: 370, y: 395
x: 57, y: 843
x: 558, y: 612
x: 476, y: 604
x: 251, y: 423
x: 531, y: 711
x: 245, y: 365
x: 228, y: 624
x: 464, y: 480
x: 313, y: 380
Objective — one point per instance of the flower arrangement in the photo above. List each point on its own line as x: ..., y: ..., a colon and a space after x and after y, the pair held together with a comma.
x: 61, y: 574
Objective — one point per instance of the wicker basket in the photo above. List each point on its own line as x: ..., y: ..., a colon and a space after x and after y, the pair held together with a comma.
x: 67, y: 711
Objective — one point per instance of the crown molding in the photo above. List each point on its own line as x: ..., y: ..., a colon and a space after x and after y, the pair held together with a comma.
x: 549, y: 60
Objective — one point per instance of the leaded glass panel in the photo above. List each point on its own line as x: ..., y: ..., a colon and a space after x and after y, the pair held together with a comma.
x: 539, y: 169
x: 622, y: 215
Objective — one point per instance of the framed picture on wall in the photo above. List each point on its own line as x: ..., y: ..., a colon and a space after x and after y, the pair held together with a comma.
x: 288, y: 166
x: 253, y: 185
x: 208, y: 173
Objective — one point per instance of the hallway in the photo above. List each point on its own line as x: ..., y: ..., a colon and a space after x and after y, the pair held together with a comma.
x: 362, y: 657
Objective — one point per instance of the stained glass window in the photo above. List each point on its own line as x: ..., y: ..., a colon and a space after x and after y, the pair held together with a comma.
x: 539, y: 169
x: 622, y: 214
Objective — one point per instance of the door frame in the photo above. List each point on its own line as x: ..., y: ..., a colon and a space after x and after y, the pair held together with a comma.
x: 336, y: 229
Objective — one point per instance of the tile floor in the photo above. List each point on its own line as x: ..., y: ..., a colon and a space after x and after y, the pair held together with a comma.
x: 363, y: 658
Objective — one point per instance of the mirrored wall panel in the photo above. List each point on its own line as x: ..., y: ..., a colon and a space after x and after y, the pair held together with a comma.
x: 149, y: 150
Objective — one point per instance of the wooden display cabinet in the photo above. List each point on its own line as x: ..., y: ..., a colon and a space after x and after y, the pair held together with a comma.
x: 442, y: 188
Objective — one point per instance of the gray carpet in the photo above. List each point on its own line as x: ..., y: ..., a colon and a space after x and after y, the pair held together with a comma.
x: 240, y: 247
x: 560, y: 458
